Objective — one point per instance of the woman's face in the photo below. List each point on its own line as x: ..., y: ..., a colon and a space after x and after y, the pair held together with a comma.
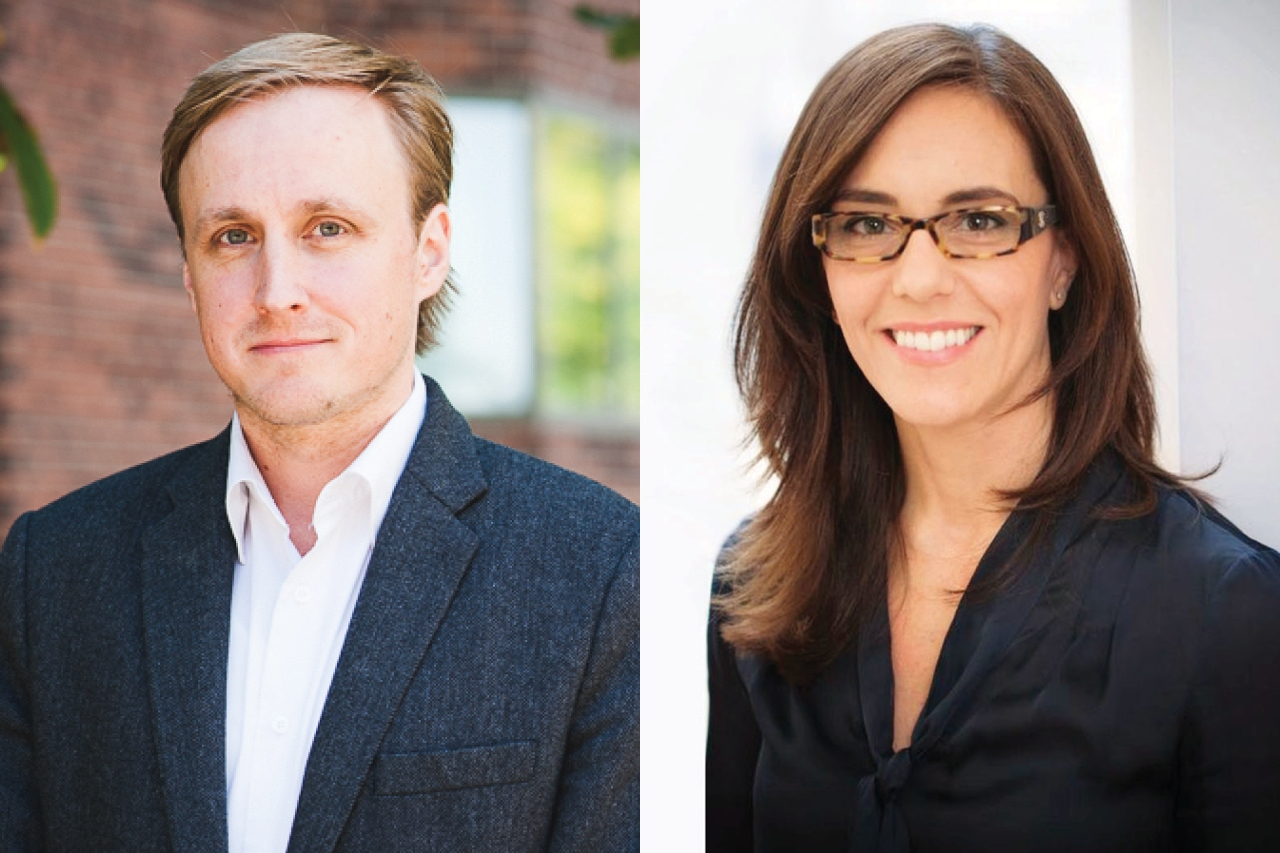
x: 949, y: 149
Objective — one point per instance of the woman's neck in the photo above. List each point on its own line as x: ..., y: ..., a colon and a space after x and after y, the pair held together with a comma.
x: 954, y: 480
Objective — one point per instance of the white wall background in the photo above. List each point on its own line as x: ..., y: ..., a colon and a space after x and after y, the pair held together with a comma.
x: 1180, y: 140
x: 1226, y: 144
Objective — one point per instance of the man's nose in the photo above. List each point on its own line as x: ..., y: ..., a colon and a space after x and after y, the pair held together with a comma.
x: 280, y: 284
x: 922, y: 272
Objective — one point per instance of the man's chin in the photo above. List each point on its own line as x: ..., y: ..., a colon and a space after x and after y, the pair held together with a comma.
x: 276, y: 408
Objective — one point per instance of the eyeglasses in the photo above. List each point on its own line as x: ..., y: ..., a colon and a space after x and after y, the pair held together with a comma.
x: 980, y: 232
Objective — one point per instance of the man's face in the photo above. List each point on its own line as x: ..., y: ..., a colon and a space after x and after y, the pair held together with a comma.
x: 302, y: 260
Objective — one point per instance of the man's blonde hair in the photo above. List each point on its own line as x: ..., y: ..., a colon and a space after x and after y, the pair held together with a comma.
x: 412, y: 99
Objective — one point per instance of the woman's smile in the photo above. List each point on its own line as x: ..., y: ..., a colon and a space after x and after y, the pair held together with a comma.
x: 938, y: 343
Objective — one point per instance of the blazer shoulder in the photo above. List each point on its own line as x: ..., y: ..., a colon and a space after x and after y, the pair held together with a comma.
x: 134, y: 494
x: 570, y: 532
x: 546, y: 493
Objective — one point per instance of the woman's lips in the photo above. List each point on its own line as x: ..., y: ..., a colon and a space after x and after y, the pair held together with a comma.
x: 934, y: 344
x: 935, y: 340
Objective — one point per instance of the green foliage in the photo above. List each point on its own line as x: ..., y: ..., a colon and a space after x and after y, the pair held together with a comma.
x: 589, y: 265
x: 623, y: 30
x: 18, y: 143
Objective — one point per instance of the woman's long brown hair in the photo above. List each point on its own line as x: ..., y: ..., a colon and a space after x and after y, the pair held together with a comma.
x: 811, y: 567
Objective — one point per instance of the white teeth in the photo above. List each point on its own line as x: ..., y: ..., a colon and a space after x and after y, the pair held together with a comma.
x: 934, y: 341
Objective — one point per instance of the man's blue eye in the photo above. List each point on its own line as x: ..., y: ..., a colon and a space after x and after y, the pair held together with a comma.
x: 236, y: 237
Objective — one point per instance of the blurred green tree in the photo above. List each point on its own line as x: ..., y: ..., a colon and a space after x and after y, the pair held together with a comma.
x: 18, y: 143
x: 623, y: 30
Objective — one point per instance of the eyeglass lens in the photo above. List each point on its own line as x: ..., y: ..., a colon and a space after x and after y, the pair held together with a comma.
x: 963, y: 234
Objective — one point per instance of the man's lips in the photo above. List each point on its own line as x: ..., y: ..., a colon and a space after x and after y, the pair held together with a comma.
x: 284, y: 345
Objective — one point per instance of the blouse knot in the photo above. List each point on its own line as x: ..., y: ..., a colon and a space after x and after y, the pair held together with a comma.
x: 893, y: 775
x: 878, y: 824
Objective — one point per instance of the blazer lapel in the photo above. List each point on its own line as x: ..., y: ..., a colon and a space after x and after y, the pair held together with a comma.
x: 188, y: 561
x: 421, y: 555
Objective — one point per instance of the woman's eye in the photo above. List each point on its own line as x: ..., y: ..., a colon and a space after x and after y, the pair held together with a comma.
x: 982, y: 221
x: 866, y: 226
x: 328, y: 229
x: 234, y: 237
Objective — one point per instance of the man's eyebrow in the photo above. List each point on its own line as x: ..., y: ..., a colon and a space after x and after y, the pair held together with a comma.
x: 327, y: 205
x: 310, y: 207
x: 339, y: 207
x: 218, y: 216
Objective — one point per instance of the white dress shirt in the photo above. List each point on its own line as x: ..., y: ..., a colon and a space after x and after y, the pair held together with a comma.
x: 289, y: 616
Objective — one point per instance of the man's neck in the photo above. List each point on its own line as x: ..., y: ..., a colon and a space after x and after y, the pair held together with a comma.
x: 298, y: 461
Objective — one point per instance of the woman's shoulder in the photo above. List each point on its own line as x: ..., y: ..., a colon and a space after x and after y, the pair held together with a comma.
x: 1229, y: 760
x: 722, y: 576
x: 1189, y: 556
x: 1188, y: 533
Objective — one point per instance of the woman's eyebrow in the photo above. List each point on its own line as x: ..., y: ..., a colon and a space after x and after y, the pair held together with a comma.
x: 961, y: 196
x: 977, y: 194
x: 866, y: 196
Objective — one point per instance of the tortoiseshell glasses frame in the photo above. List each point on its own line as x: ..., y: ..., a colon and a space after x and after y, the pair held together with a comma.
x: 976, y: 232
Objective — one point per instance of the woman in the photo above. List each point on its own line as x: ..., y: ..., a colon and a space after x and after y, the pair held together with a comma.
x: 976, y: 614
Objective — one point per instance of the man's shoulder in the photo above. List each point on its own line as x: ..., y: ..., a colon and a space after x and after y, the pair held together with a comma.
x: 134, y: 493
x: 547, y: 489
x: 551, y: 521
x: 480, y: 478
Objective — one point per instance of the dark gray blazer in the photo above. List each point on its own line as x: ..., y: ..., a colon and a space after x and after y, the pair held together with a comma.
x: 486, y: 697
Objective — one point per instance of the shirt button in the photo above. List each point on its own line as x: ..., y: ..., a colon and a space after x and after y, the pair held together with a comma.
x: 281, y: 725
x: 302, y: 594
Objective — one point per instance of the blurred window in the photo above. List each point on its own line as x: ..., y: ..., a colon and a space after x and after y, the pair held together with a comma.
x: 546, y: 256
x: 487, y: 353
x: 588, y: 248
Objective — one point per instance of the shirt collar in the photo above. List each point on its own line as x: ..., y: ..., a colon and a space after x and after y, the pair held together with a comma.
x: 380, y: 465
x: 383, y: 461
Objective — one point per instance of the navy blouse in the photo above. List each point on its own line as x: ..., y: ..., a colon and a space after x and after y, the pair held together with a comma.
x: 1123, y: 694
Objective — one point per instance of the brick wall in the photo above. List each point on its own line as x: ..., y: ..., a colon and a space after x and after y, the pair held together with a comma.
x: 101, y: 365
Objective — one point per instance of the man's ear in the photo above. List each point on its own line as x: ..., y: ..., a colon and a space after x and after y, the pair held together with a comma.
x: 432, y: 261
x: 191, y: 291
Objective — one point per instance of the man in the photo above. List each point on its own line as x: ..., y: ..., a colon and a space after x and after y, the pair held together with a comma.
x: 344, y: 624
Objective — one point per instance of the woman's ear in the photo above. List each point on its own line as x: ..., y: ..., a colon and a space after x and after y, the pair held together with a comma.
x: 1064, y: 271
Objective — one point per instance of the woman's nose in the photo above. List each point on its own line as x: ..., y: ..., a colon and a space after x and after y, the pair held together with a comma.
x: 922, y: 272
